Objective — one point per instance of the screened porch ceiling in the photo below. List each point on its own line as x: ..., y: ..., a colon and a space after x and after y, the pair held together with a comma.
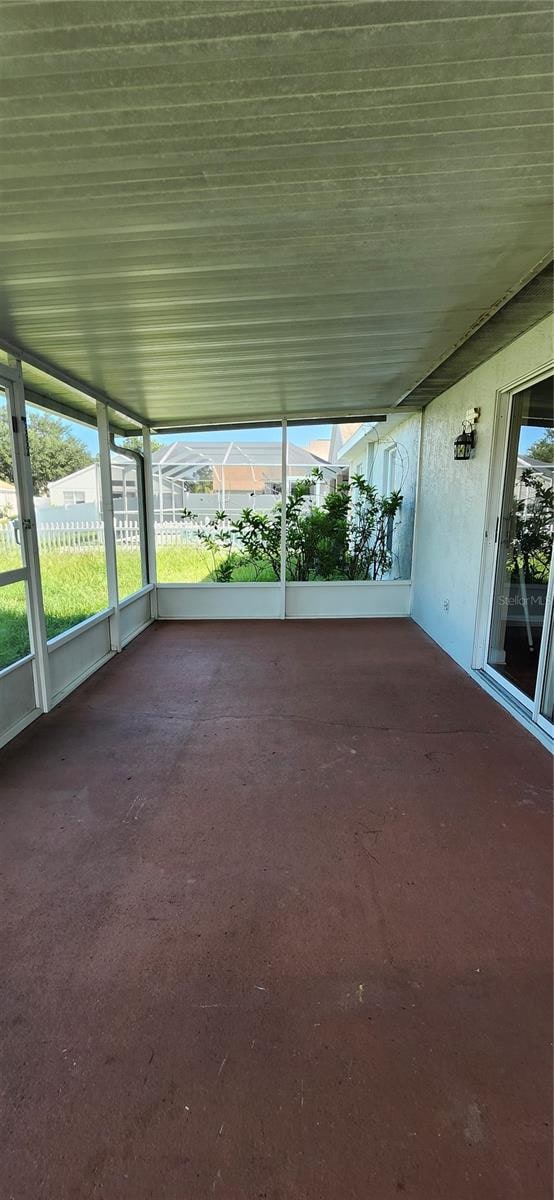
x: 218, y: 213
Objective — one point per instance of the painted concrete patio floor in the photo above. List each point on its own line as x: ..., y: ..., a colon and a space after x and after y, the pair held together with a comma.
x: 276, y: 923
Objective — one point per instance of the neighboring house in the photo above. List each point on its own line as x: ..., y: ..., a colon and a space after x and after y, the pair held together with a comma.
x: 79, y: 494
x: 545, y: 472
x: 340, y: 435
x: 81, y: 487
x: 205, y: 476
x: 320, y: 447
x: 386, y: 454
x: 199, y: 476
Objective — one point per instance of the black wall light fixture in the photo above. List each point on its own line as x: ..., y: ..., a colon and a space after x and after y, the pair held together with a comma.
x: 464, y: 444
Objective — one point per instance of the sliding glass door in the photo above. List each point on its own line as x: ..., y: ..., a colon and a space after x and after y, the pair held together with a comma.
x: 519, y: 651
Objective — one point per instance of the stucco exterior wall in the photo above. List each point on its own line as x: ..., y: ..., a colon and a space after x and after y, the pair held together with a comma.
x: 368, y: 456
x: 405, y: 438
x: 453, y: 495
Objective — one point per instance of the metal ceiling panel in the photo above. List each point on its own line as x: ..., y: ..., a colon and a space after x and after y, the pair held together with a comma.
x: 235, y: 212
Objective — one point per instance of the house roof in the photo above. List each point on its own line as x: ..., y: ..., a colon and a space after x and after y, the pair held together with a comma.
x: 74, y: 475
x: 535, y: 464
x: 232, y: 454
x: 349, y: 429
x: 320, y: 447
x: 180, y: 457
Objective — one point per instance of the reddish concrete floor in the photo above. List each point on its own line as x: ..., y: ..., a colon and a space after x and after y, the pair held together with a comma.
x: 276, y: 924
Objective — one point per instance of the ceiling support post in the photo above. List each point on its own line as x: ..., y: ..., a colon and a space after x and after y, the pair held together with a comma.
x: 102, y: 417
x: 150, y: 519
x: 284, y: 487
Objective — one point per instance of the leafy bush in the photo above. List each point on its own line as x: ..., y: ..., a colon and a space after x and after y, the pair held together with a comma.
x: 531, y: 545
x: 54, y: 449
x: 543, y: 449
x: 346, y: 537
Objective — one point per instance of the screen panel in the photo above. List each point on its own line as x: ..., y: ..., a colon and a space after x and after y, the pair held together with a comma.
x: 217, y: 500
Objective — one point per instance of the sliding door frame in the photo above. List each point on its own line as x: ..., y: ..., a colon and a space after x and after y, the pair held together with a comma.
x: 490, y: 559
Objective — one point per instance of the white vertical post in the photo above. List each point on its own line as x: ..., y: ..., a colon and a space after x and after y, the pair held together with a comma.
x: 284, y: 489
x: 141, y: 519
x: 496, y: 649
x: 417, y: 507
x: 150, y: 517
x: 25, y: 503
x: 102, y: 418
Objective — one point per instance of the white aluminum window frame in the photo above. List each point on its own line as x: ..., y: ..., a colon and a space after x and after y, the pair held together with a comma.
x: 41, y: 649
x: 11, y: 382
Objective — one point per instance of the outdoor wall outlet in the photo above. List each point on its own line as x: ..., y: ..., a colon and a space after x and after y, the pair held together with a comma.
x: 446, y: 605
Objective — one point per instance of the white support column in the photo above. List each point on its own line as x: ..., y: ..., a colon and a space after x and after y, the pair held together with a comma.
x: 140, y: 475
x: 108, y: 518
x: 150, y: 517
x: 284, y: 487
x: 26, y: 507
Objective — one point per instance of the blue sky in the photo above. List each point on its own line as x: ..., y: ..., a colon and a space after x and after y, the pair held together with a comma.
x: 528, y: 435
x: 301, y: 435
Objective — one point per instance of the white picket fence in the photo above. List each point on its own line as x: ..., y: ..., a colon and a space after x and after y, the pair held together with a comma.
x: 86, y: 535
x: 177, y: 533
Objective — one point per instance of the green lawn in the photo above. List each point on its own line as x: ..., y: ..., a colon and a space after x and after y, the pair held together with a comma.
x: 184, y: 564
x: 195, y: 564
x: 74, y: 587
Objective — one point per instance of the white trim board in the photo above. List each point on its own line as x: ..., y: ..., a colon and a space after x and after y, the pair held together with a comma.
x: 18, y: 705
x: 262, y: 601
x: 219, y: 601
x: 383, y: 598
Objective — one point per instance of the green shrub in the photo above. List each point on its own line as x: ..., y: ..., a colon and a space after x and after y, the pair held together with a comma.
x: 346, y: 537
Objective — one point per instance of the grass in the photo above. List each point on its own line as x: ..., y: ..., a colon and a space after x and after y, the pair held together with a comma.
x: 74, y: 587
x: 184, y: 564
x: 195, y: 564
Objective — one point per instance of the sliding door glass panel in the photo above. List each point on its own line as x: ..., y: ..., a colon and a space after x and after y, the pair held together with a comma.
x: 524, y: 541
x: 128, y: 512
x: 11, y: 552
x: 217, y: 498
x: 14, y: 629
x: 66, y: 484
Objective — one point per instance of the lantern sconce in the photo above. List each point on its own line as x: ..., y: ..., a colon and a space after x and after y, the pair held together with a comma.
x: 464, y: 444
